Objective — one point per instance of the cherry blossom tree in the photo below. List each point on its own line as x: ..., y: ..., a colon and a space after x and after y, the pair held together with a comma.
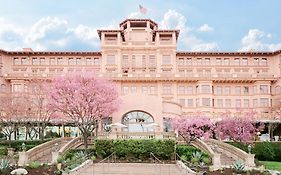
x: 14, y: 112
x: 83, y: 99
x: 191, y: 128
x: 241, y: 129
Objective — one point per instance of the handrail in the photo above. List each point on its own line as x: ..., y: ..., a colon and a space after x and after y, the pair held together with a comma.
x: 69, y: 145
x: 107, y: 158
x: 203, y: 146
x: 231, y: 149
x: 183, y: 164
x: 155, y: 158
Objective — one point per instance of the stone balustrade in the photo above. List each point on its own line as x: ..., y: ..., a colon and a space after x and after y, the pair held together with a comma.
x: 233, y: 152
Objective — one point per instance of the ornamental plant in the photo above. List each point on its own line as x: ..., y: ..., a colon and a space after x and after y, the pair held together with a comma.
x: 191, y: 128
x: 82, y: 99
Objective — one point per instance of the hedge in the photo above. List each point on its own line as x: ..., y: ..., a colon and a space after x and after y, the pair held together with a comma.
x: 187, y: 151
x: 17, y: 145
x: 264, y: 151
x: 136, y: 149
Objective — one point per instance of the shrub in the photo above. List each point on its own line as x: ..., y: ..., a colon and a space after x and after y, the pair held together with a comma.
x: 93, y: 158
x: 3, y: 151
x: 4, y: 166
x: 264, y: 151
x: 34, y: 165
x: 139, y: 149
x: 186, y: 150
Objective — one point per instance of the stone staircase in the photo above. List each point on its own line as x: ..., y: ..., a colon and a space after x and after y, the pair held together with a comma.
x: 132, y: 169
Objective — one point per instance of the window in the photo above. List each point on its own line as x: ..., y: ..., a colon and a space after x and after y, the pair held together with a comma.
x: 237, y: 90
x: 226, y: 61
x: 24, y: 61
x: 181, y: 90
x: 236, y: 61
x: 206, y: 89
x: 264, y: 102
x: 246, y: 90
x: 3, y: 88
x: 219, y: 90
x: 136, y: 120
x: 52, y: 61
x: 190, y: 102
x: 220, y: 103
x: 110, y: 59
x: 166, y: 59
x: 263, y: 62
x: 207, y: 61
x: 144, y: 89
x: 199, y: 61
x: 264, y: 89
x: 71, y: 61
x: 133, y: 89
x: 256, y: 61
x: 125, y: 61
x: 167, y: 89
x: 197, y: 102
x: 238, y: 103
x: 18, y: 87
x: 246, y: 103
x: 16, y: 61
x: 152, y: 90
x: 277, y: 89
x: 78, y: 61
x: 42, y: 61
x: 189, y: 90
x: 182, y: 102
x: 189, y: 61
x: 255, y: 102
x: 228, y: 103
x: 96, y: 61
x: 227, y: 90
x: 152, y: 60
x: 125, y: 90
x: 244, y: 61
x: 181, y: 61
x: 255, y: 90
x: 167, y: 124
x: 206, y: 101
x: 218, y: 61
x: 88, y: 61
x: 35, y: 61
x: 60, y: 61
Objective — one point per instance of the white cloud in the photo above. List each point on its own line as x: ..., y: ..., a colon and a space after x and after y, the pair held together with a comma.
x: 175, y: 20
x: 48, y: 33
x: 255, y: 40
x: 205, y: 28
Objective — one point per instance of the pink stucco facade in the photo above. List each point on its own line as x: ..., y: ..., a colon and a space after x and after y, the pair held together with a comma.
x: 154, y: 77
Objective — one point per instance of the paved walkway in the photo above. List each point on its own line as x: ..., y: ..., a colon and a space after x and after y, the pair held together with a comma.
x: 133, y: 169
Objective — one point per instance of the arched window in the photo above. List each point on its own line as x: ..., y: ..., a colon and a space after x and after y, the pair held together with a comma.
x: 138, y: 121
x: 2, y: 88
x: 278, y: 90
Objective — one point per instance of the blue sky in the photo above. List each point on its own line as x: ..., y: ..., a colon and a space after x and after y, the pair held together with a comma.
x: 206, y: 25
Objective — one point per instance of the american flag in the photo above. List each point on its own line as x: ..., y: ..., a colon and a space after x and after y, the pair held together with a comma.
x: 142, y: 9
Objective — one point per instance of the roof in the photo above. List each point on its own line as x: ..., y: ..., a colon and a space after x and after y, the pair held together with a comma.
x: 112, y: 31
x: 181, y: 53
x: 49, y: 53
x: 123, y: 22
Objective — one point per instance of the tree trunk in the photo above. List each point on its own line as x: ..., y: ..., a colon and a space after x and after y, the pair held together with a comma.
x: 85, y: 139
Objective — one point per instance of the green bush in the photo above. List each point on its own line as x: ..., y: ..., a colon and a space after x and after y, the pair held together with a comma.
x: 264, y: 151
x: 186, y: 150
x: 3, y: 151
x: 138, y: 149
x: 17, y: 144
x: 34, y: 165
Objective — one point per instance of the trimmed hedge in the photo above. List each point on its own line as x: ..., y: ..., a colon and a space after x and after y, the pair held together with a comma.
x: 136, y: 149
x: 17, y: 145
x: 264, y: 151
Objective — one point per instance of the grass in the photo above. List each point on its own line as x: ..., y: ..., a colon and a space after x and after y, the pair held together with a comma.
x: 272, y: 165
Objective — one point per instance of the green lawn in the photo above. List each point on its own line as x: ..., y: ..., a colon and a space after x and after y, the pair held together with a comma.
x: 272, y: 165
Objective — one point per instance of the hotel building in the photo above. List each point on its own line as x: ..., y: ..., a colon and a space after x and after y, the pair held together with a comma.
x: 156, y: 82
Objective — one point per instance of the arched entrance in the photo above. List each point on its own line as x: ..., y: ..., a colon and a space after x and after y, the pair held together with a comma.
x: 138, y: 121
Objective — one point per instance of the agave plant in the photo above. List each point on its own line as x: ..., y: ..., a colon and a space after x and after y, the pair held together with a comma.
x: 239, y: 166
x: 4, y: 166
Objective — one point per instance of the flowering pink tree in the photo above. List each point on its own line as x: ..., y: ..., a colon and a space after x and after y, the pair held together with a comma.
x: 194, y: 127
x: 83, y: 99
x: 241, y: 129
